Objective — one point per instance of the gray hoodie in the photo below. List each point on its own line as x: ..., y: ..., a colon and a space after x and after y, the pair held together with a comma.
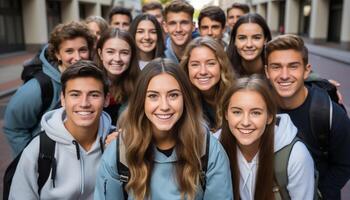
x: 75, y: 175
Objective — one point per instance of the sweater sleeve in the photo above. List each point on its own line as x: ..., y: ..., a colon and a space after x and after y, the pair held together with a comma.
x: 301, y: 174
x: 22, y: 115
x: 218, y: 176
x: 338, y: 171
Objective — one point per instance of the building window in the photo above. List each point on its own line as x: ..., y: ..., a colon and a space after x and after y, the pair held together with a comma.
x: 305, y: 15
x: 53, y: 12
x: 335, y: 20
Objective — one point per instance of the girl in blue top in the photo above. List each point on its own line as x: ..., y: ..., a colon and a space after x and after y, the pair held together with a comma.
x: 164, y: 140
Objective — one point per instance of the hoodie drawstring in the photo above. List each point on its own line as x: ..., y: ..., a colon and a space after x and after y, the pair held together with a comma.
x: 101, y: 145
x: 77, y: 149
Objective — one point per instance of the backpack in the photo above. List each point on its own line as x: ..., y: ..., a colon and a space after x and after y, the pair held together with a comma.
x: 33, y: 69
x: 281, y: 158
x: 46, y: 162
x: 124, y: 173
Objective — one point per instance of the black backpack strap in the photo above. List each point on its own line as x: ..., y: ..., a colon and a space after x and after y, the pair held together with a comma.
x: 123, y: 170
x: 46, y: 88
x: 46, y: 160
x: 281, y: 158
x: 321, y: 119
x: 204, y: 161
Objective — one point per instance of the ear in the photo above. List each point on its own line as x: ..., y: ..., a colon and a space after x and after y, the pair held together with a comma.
x: 100, y: 53
x: 269, y: 119
x: 107, y: 98
x: 266, y: 72
x: 307, y: 72
x: 165, y: 27
x: 58, y: 56
x: 63, y: 103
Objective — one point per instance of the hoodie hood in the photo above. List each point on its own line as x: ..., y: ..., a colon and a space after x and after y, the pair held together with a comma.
x: 52, y: 123
x: 285, y: 131
x: 50, y: 67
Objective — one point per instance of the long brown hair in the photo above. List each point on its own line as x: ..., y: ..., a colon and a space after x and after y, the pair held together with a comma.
x: 265, y: 176
x: 122, y: 85
x: 227, y: 76
x: 188, y: 132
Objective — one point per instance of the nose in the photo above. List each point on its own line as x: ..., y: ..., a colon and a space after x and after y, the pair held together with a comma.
x: 146, y: 35
x: 164, y: 104
x: 245, y: 120
x: 210, y: 32
x: 284, y: 73
x: 77, y: 56
x: 249, y: 42
x: 178, y: 27
x: 203, y: 69
x: 85, y: 102
x: 117, y: 57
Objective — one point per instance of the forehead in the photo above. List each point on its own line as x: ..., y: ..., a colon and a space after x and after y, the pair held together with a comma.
x: 206, y: 21
x: 250, y: 28
x: 285, y: 56
x: 120, y: 18
x: 84, y: 84
x: 178, y: 16
x: 163, y: 82
x: 246, y: 98
x: 116, y: 43
x: 146, y: 24
x: 155, y: 12
x: 235, y: 12
x: 201, y: 52
x: 73, y: 43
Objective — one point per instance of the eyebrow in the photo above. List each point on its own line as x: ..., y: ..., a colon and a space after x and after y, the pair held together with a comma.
x: 173, y: 90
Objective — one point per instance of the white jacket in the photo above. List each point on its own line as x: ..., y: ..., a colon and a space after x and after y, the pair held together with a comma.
x: 75, y: 178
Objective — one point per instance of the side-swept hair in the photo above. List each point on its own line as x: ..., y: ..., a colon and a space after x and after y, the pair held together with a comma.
x: 119, y: 10
x: 159, y: 50
x: 84, y: 68
x: 177, y: 6
x: 232, y: 52
x: 242, y: 6
x: 265, y: 175
x: 122, y: 85
x: 188, y: 132
x: 227, y: 75
x: 287, y: 42
x: 152, y: 6
x: 214, y: 13
x: 101, y: 23
x: 69, y: 31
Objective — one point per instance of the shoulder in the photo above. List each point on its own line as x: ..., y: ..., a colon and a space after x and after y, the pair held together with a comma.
x: 30, y: 153
x: 300, y: 157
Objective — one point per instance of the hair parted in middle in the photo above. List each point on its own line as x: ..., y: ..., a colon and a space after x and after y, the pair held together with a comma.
x: 265, y: 174
x: 160, y: 47
x: 188, y: 131
x: 123, y: 85
x: 227, y: 75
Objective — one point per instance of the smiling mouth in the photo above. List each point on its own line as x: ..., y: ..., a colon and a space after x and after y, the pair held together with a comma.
x: 84, y: 113
x: 245, y: 131
x: 163, y: 116
x: 203, y: 79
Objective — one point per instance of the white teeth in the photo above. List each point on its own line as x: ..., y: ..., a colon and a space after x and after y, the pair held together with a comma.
x: 246, y: 131
x: 160, y: 116
x: 204, y: 79
x: 84, y: 113
x: 285, y: 83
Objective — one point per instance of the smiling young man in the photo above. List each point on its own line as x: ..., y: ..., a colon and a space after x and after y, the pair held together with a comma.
x: 211, y: 22
x: 287, y: 68
x: 179, y: 26
x: 78, y: 130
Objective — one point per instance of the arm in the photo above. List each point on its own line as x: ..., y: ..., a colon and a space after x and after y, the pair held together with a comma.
x: 24, y: 183
x: 338, y: 171
x: 21, y: 115
x: 218, y: 176
x: 107, y: 184
x: 301, y: 174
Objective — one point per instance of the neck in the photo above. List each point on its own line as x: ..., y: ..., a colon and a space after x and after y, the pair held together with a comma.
x: 164, y: 139
x: 209, y: 96
x: 178, y: 50
x: 146, y: 56
x: 84, y: 136
x: 295, y: 101
x: 254, y: 66
x: 249, y: 152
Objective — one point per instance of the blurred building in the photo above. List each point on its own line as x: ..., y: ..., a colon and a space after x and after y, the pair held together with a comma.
x: 319, y: 21
x: 26, y: 24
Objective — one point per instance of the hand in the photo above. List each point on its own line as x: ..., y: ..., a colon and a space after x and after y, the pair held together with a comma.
x: 112, y: 137
x: 337, y: 85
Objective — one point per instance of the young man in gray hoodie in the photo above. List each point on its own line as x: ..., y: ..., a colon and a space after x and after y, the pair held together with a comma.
x: 78, y: 129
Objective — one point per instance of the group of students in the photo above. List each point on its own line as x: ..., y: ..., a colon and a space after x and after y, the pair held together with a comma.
x: 165, y: 111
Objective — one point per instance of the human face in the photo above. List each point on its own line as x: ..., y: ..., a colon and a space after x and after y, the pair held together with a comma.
x: 179, y: 26
x: 287, y: 72
x: 146, y: 36
x: 233, y: 16
x: 203, y: 69
x: 83, y: 101
x: 164, y: 103
x: 115, y: 55
x: 211, y: 28
x: 95, y: 29
x: 71, y: 51
x: 247, y: 117
x: 250, y: 41
x: 158, y: 14
x: 120, y: 21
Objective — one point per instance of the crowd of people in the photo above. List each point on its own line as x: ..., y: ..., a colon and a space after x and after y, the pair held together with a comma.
x: 153, y: 107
